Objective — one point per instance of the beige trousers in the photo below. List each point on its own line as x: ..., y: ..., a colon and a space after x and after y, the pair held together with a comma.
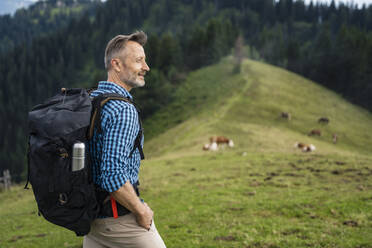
x: 122, y: 232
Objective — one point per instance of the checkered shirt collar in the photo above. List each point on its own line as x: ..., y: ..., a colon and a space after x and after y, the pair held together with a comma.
x: 114, y: 88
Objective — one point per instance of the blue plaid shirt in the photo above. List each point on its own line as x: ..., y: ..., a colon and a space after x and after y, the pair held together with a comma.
x: 112, y: 166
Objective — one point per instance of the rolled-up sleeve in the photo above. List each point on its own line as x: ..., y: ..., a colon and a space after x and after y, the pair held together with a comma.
x: 119, y: 133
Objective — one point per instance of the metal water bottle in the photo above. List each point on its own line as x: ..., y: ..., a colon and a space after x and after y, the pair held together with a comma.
x: 78, y: 156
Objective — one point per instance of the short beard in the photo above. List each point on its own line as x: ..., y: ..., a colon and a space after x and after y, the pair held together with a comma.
x: 134, y: 84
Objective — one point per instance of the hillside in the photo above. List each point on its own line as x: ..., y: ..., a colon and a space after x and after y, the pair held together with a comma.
x: 247, y: 109
x: 262, y: 193
x: 60, y: 43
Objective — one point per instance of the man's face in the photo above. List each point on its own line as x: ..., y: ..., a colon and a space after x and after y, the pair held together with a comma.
x: 134, y: 65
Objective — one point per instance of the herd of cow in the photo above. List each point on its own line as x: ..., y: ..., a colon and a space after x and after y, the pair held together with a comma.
x: 217, y: 142
x: 314, y: 132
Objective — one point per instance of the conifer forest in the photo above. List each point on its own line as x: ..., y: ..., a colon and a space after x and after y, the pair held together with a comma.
x: 60, y: 43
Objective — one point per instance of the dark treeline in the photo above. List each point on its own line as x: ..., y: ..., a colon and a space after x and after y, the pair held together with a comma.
x: 40, y: 19
x: 73, y: 57
x: 326, y: 43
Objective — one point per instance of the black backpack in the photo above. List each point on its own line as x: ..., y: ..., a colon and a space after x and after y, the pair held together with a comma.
x: 64, y: 197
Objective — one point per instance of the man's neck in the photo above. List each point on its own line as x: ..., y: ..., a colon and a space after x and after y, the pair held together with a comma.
x: 112, y: 77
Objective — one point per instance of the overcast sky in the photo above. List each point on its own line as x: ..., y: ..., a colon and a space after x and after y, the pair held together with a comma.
x: 359, y: 2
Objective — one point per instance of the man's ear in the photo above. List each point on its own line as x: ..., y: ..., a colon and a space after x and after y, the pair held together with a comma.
x: 115, y: 65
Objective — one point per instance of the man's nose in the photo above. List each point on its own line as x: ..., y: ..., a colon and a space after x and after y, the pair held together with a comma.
x: 145, y: 67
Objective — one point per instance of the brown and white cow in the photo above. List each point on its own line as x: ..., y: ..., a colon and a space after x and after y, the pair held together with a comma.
x: 221, y: 140
x: 217, y: 141
x: 305, y: 147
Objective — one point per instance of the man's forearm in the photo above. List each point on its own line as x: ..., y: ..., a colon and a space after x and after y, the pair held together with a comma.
x: 128, y: 198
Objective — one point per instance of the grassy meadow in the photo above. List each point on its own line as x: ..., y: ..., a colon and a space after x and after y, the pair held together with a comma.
x: 261, y: 193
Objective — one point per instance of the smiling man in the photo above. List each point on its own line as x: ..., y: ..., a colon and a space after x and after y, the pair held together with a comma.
x: 116, y: 153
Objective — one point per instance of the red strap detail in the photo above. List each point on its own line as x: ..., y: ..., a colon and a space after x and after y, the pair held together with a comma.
x: 114, y: 207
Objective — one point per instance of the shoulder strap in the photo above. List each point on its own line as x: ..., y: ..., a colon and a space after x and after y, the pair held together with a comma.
x: 28, y: 164
x: 137, y: 142
x: 98, y: 102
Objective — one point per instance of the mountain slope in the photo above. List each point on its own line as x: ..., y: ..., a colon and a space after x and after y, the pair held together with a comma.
x: 272, y: 196
x: 247, y: 107
x: 39, y: 19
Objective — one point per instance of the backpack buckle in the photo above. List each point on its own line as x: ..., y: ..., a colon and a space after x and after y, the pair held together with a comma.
x: 62, y: 198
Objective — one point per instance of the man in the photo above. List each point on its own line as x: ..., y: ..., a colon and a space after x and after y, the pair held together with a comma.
x: 115, y: 165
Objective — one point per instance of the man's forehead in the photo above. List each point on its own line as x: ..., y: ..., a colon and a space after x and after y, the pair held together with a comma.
x: 134, y: 48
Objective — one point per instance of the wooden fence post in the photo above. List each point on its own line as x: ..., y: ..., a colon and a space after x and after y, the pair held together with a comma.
x: 6, y: 179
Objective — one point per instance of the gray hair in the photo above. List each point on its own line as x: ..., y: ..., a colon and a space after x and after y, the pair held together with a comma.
x: 116, y: 45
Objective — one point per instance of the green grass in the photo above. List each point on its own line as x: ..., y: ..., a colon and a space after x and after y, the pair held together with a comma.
x: 261, y: 200
x: 20, y: 225
x: 247, y: 108
x: 261, y: 193
x: 226, y: 199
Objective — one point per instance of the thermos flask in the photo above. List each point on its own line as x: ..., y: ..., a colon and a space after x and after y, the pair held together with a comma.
x: 78, y: 156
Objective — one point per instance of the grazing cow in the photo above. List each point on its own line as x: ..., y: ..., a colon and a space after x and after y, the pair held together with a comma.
x: 286, y: 115
x: 221, y: 140
x: 315, y: 132
x: 323, y: 120
x: 305, y: 147
x: 334, y: 137
x: 299, y: 145
x: 309, y: 148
